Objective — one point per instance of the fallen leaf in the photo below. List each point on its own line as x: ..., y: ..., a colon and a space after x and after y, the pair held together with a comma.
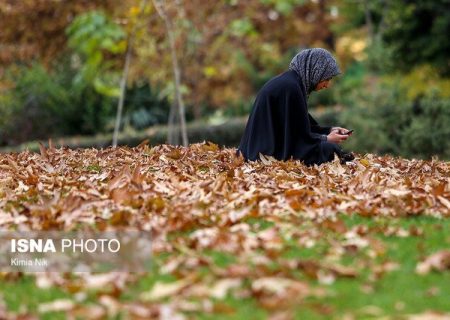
x: 439, y: 261
x: 56, y: 305
x: 279, y: 286
x: 162, y: 290
x: 221, y: 287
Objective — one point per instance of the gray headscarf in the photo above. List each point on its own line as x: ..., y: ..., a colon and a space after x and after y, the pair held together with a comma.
x: 313, y: 66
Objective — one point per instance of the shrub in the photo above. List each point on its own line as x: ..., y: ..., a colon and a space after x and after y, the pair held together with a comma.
x: 386, y: 122
x: 45, y: 104
x: 144, y: 107
x: 32, y: 106
x: 428, y: 132
x: 228, y: 134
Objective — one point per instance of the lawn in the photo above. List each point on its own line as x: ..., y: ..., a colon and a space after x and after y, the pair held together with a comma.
x: 235, y: 240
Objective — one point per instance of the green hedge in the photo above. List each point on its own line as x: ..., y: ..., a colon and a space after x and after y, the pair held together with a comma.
x: 51, y: 103
x: 227, y: 133
x: 418, y: 129
x: 386, y: 124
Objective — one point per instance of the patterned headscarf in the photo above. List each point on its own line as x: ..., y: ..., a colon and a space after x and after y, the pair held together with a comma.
x: 313, y: 66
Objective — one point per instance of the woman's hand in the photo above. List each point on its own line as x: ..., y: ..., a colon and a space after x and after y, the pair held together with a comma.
x: 335, y: 137
x: 340, y: 130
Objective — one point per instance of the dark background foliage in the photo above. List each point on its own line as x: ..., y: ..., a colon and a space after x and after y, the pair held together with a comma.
x: 394, y: 91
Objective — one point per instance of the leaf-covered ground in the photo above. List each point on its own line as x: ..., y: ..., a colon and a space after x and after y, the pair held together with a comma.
x: 238, y: 240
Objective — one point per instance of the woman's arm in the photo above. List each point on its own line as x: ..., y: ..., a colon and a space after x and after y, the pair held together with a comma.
x: 316, y: 128
x: 330, y: 134
x: 322, y: 137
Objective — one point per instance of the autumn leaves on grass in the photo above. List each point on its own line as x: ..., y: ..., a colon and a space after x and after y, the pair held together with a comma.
x: 207, y: 208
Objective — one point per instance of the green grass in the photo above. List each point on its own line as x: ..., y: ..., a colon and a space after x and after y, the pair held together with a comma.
x: 393, y: 294
x: 401, y: 291
x: 23, y: 295
x: 94, y: 168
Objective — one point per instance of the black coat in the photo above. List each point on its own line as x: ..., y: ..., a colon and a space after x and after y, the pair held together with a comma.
x: 280, y: 125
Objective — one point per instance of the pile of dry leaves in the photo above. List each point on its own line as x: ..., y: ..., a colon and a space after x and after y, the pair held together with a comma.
x: 201, y: 198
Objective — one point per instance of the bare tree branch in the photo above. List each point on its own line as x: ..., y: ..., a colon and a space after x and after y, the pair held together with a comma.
x: 123, y: 80
x: 180, y: 115
x: 369, y: 21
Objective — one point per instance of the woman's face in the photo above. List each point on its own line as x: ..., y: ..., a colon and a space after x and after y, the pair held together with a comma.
x: 323, y: 84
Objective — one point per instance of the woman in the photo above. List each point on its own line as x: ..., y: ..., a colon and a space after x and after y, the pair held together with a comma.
x: 280, y: 125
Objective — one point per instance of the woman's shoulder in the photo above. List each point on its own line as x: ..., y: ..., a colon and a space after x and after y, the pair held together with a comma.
x: 283, y: 82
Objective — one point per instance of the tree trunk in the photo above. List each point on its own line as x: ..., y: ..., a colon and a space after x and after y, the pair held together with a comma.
x: 369, y: 21
x: 123, y: 80
x: 179, y: 114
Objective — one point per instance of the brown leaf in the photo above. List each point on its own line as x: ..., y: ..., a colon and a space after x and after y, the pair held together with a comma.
x: 335, y: 226
x: 175, y: 154
x: 137, y: 177
x: 120, y: 218
x: 209, y: 146
x: 444, y: 201
x: 429, y: 315
x: 220, y: 289
x: 343, y: 271
x: 161, y: 290
x: 279, y: 286
x: 43, y: 150
x: 56, y: 305
x: 143, y: 144
x: 50, y: 145
x: 121, y: 179
x: 439, y: 261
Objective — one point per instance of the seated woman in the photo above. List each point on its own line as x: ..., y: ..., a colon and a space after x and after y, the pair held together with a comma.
x: 280, y: 125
